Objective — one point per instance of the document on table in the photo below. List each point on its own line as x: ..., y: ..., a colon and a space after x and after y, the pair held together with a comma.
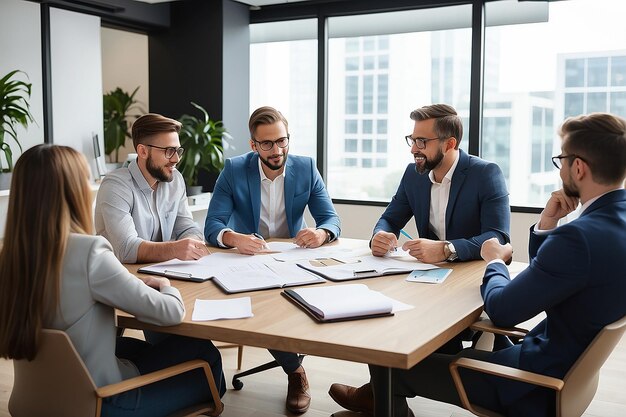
x: 255, y: 276
x: 367, y: 267
x: 233, y: 308
x: 344, y: 302
x: 296, y: 253
x: 202, y: 269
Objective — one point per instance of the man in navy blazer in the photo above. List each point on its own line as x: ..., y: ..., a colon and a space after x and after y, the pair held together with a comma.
x: 576, y: 275
x: 262, y: 195
x: 458, y: 200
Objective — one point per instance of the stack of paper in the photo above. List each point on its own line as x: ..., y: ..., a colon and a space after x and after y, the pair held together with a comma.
x: 344, y: 302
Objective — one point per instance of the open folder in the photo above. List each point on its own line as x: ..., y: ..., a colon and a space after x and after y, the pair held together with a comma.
x: 341, y: 302
x: 367, y: 267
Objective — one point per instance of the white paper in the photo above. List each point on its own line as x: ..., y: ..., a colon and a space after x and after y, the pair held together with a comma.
x: 233, y: 308
x: 297, y: 253
x: 398, y: 253
x: 369, y: 266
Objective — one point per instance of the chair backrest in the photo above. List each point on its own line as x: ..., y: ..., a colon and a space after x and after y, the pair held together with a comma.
x: 581, y: 381
x: 55, y: 383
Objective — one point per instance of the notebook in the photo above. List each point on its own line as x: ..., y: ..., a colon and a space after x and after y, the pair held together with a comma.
x: 341, y: 302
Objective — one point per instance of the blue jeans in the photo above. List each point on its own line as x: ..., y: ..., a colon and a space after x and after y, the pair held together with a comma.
x: 287, y: 360
x: 165, y: 397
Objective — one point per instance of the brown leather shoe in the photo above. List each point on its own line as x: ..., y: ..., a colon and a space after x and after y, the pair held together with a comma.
x: 360, y: 400
x: 298, y: 395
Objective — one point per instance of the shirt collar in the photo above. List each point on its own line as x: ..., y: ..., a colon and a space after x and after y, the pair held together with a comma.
x: 592, y: 200
x: 262, y: 173
x: 135, y: 172
x: 449, y: 174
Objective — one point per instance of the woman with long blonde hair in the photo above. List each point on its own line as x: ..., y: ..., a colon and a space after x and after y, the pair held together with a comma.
x: 55, y: 274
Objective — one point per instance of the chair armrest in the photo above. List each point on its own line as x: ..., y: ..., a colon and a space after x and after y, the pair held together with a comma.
x: 497, y: 370
x: 487, y: 325
x: 507, y: 372
x: 141, y: 380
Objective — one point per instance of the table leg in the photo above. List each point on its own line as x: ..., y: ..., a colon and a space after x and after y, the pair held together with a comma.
x: 384, y: 396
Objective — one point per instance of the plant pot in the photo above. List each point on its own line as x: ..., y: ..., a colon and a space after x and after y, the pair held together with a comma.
x: 5, y: 180
x: 194, y: 190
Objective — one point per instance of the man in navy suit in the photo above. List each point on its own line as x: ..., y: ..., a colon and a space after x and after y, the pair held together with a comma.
x: 458, y: 200
x: 576, y: 275
x: 262, y: 195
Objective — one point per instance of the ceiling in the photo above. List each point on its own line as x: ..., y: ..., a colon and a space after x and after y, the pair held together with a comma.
x: 256, y: 3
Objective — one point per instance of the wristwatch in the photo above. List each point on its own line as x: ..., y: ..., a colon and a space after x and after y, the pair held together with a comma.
x: 329, y: 236
x: 450, y: 252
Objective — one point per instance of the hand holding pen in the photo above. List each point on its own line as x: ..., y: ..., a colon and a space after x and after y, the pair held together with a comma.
x: 245, y: 244
x: 383, y: 242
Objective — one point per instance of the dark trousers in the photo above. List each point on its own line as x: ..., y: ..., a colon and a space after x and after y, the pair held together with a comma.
x: 287, y: 360
x: 165, y: 397
x: 431, y: 378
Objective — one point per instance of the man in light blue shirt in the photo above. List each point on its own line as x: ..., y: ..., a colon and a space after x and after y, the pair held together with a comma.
x: 142, y: 209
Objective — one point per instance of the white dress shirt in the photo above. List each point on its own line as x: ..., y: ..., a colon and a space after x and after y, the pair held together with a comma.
x: 439, y: 196
x: 273, y: 220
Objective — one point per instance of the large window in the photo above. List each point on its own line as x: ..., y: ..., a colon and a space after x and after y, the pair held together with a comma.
x: 283, y: 74
x: 375, y: 80
x: 573, y: 63
x: 543, y: 62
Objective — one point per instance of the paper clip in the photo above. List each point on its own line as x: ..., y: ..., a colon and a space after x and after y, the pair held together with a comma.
x: 364, y: 272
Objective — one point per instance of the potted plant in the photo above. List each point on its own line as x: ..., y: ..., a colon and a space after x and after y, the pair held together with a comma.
x: 118, y: 105
x: 14, y: 110
x: 204, y: 140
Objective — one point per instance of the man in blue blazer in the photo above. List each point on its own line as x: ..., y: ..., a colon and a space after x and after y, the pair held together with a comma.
x: 458, y: 200
x: 576, y: 275
x: 262, y: 195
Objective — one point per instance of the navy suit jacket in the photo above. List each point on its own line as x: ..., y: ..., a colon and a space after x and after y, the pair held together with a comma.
x: 478, y: 206
x: 236, y: 200
x: 577, y: 275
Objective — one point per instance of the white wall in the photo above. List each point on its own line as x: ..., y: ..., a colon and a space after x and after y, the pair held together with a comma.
x: 125, y: 65
x: 20, y: 48
x: 76, y: 80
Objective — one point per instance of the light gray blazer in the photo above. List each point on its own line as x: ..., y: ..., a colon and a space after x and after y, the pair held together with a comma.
x: 93, y: 283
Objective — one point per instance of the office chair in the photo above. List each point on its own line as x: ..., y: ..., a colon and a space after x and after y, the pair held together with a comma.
x: 573, y: 393
x: 57, y: 383
x: 237, y: 384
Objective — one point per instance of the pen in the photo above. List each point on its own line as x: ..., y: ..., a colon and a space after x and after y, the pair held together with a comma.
x: 406, y: 234
x: 258, y: 236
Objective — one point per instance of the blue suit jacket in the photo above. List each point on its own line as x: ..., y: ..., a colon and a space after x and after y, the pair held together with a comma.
x: 236, y: 200
x: 478, y: 206
x: 577, y: 275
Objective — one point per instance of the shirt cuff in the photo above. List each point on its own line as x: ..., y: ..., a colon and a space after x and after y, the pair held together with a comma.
x: 540, y: 232
x: 220, y: 235
x: 499, y: 261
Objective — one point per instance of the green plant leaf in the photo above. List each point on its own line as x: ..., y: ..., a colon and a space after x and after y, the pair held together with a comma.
x: 14, y: 110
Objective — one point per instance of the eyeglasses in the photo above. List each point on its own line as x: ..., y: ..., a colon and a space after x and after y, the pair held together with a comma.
x: 419, y: 142
x: 267, y: 145
x: 169, y: 150
x: 556, y: 160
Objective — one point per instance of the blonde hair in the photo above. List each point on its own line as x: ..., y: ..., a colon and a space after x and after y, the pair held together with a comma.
x: 50, y: 198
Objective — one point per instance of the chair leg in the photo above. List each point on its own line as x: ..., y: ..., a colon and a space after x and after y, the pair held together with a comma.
x: 239, y: 357
x: 237, y: 384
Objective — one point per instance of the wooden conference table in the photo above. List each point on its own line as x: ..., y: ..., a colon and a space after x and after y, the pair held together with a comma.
x: 400, y: 341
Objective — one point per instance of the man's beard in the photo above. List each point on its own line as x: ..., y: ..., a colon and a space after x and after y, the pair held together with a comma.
x: 271, y: 166
x: 570, y: 190
x: 158, y: 172
x: 428, y: 164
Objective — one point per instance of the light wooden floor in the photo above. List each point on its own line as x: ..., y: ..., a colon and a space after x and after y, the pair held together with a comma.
x: 263, y: 394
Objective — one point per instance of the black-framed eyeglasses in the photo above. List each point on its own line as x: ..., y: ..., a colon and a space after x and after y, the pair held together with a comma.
x: 419, y: 142
x: 556, y: 160
x: 169, y: 150
x: 267, y: 145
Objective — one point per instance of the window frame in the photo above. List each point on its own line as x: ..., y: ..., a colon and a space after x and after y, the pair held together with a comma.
x: 322, y: 11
